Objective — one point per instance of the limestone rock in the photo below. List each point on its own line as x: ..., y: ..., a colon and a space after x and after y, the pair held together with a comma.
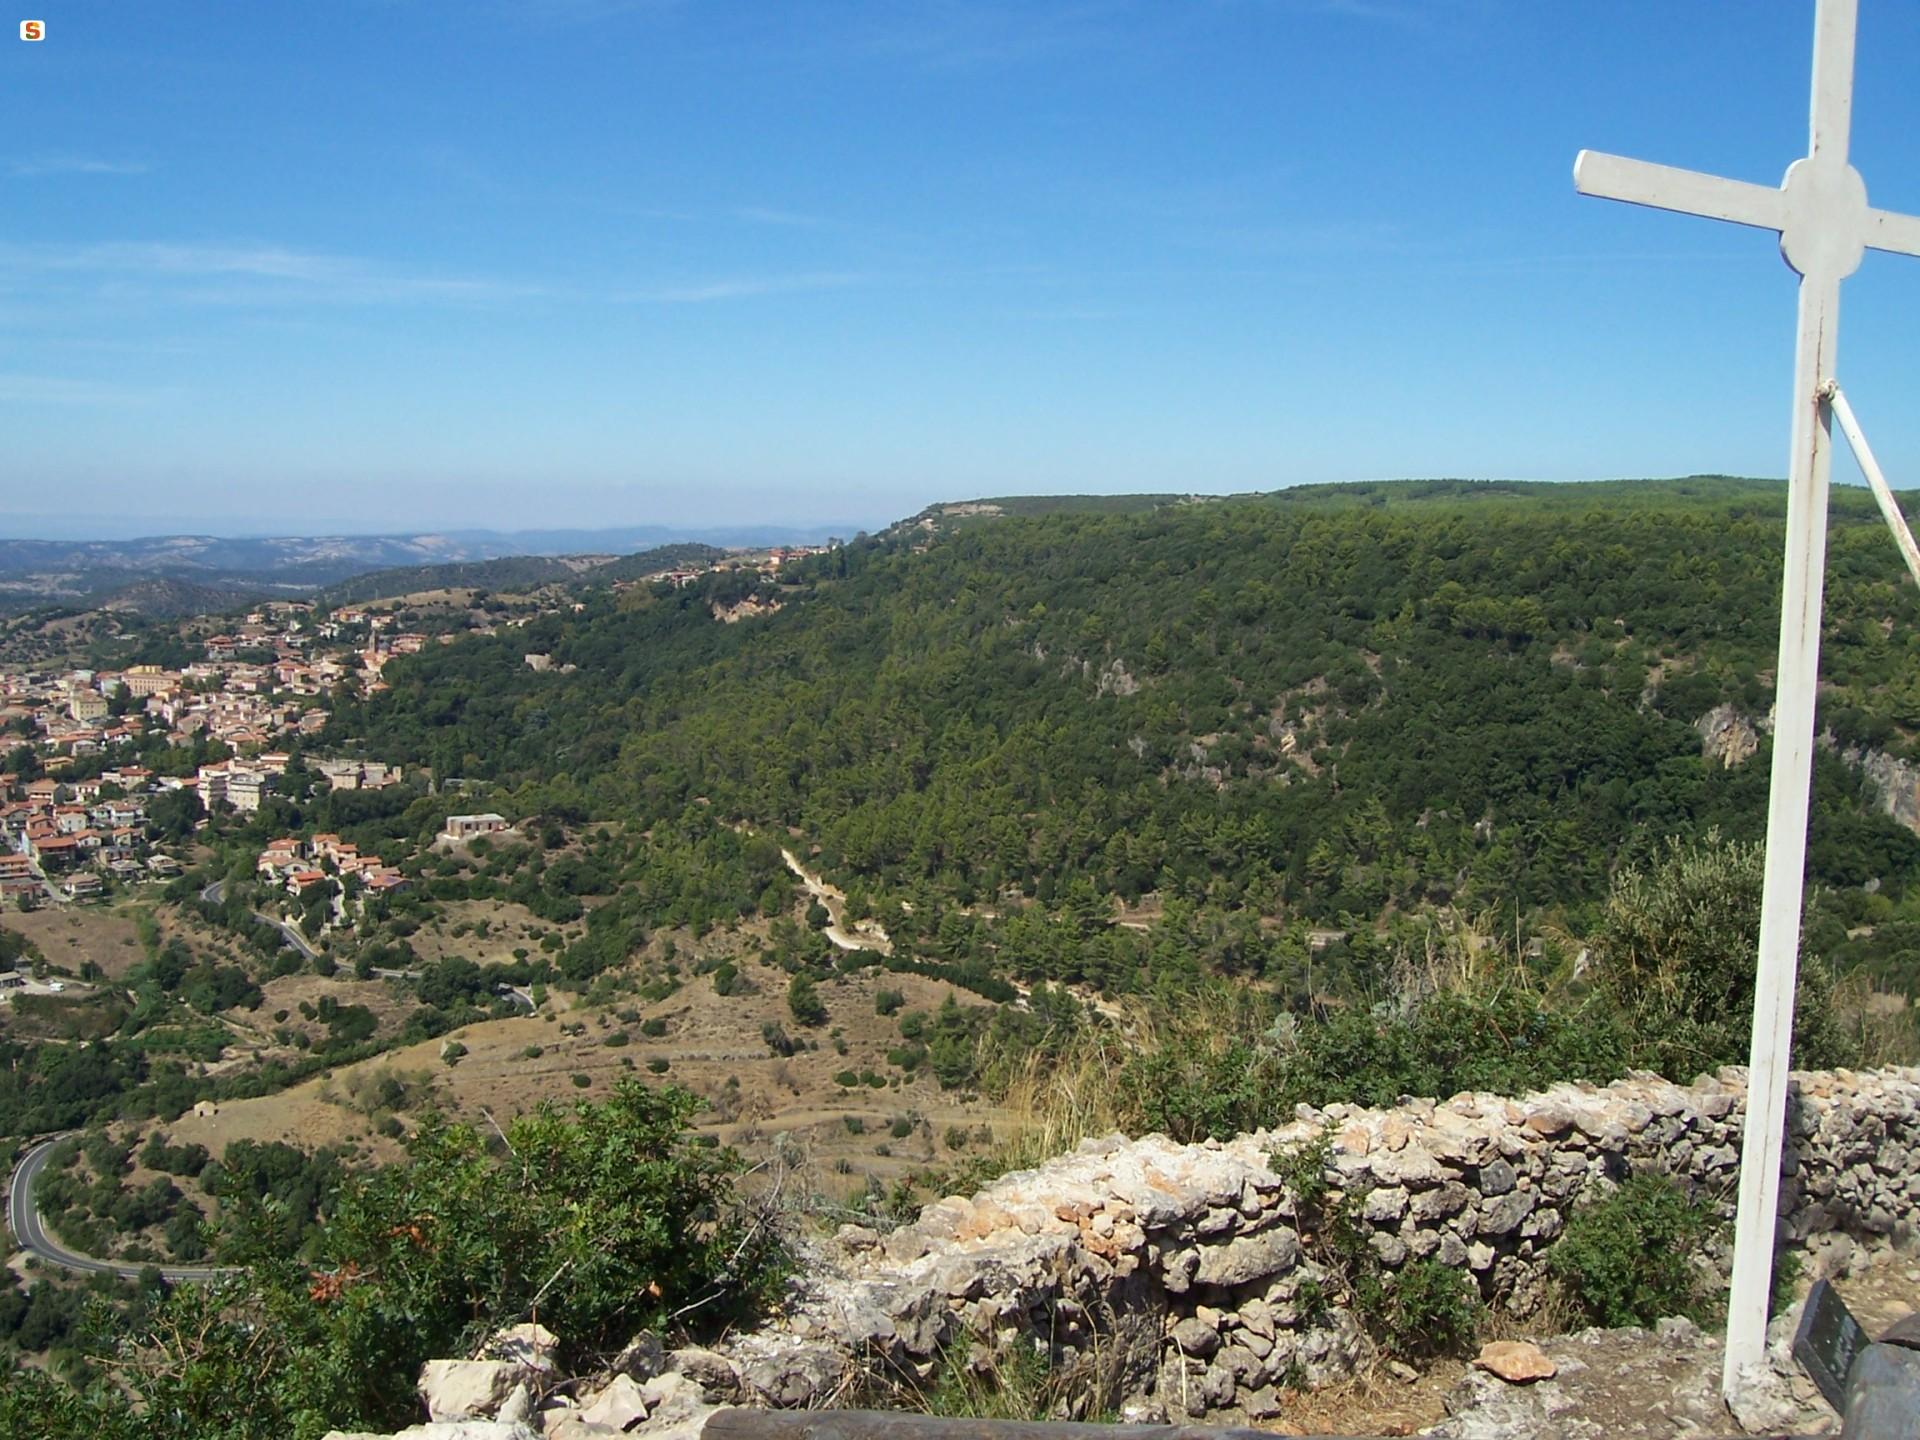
x: 1142, y: 1229
x: 1503, y: 1215
x: 643, y: 1358
x: 531, y: 1345
x: 470, y: 1389
x: 671, y: 1397
x: 620, y: 1406
x: 444, y: 1430
x: 1518, y: 1362
x: 713, y: 1373
x: 790, y: 1377
x: 1383, y: 1204
x: 1251, y: 1257
x: 1196, y: 1338
x: 1261, y: 1404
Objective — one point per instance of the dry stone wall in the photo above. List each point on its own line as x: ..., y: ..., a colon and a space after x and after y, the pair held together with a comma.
x: 1176, y: 1274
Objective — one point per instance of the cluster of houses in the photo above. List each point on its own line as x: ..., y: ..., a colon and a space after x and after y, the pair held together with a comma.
x: 75, y: 835
x: 767, y: 563
x: 236, y: 695
x: 296, y: 865
x: 72, y: 834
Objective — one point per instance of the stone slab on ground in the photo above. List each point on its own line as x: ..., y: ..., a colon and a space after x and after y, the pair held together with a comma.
x: 1661, y: 1384
x: 444, y: 1430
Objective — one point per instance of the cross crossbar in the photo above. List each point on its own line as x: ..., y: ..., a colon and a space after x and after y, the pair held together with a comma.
x: 1693, y: 192
x: 1665, y: 187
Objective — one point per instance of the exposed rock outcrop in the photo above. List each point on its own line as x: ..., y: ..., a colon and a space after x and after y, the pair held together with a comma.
x: 1727, y: 736
x: 1895, y: 782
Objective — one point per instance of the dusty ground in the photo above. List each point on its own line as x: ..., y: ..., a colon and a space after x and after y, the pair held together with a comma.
x: 71, y: 935
x: 1613, y: 1385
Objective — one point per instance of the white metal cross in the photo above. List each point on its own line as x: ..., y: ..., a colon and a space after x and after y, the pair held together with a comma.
x: 1825, y: 225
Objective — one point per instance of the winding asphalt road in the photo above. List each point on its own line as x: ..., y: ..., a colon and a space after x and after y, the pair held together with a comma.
x: 30, y: 1231
x: 213, y: 895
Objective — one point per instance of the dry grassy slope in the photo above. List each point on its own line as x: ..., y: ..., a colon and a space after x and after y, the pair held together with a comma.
x: 710, y: 1040
x: 509, y: 927
x: 70, y: 935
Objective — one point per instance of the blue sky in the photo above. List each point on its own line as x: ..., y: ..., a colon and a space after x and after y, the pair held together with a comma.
x: 377, y: 266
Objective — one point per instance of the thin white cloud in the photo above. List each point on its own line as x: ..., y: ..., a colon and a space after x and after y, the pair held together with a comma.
x: 739, y: 289
x: 19, y: 389
x: 269, y: 276
x: 253, y: 274
x: 771, y: 215
x: 36, y: 167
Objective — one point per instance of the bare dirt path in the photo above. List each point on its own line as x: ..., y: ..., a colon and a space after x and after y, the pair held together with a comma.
x: 865, y: 935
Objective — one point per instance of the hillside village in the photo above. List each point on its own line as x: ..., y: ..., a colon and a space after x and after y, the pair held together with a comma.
x: 78, y: 806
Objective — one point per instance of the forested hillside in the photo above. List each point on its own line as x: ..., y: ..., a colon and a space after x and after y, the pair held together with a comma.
x: 1330, y: 706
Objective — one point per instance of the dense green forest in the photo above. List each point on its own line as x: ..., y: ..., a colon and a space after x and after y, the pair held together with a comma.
x: 1329, y: 706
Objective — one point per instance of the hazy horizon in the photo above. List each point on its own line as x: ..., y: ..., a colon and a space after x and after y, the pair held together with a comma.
x: 84, y: 528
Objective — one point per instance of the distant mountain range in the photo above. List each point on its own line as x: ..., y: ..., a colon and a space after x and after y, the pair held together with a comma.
x: 200, y: 570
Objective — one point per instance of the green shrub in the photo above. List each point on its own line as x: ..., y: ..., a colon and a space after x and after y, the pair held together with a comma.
x: 1190, y: 1093
x: 581, y: 1082
x: 901, y: 1128
x: 653, y: 1028
x: 1630, y: 1259
x: 847, y: 1079
x: 1675, y: 955
x: 1423, y: 1309
x: 658, y: 1065
x: 1499, y: 1037
x: 426, y: 1258
x: 453, y: 1052
x: 804, y: 1002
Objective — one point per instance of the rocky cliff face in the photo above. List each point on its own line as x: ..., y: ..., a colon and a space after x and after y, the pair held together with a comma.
x: 1896, y: 782
x: 1727, y: 736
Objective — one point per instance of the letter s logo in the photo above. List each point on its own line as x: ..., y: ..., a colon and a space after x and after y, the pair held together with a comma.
x: 33, y: 29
